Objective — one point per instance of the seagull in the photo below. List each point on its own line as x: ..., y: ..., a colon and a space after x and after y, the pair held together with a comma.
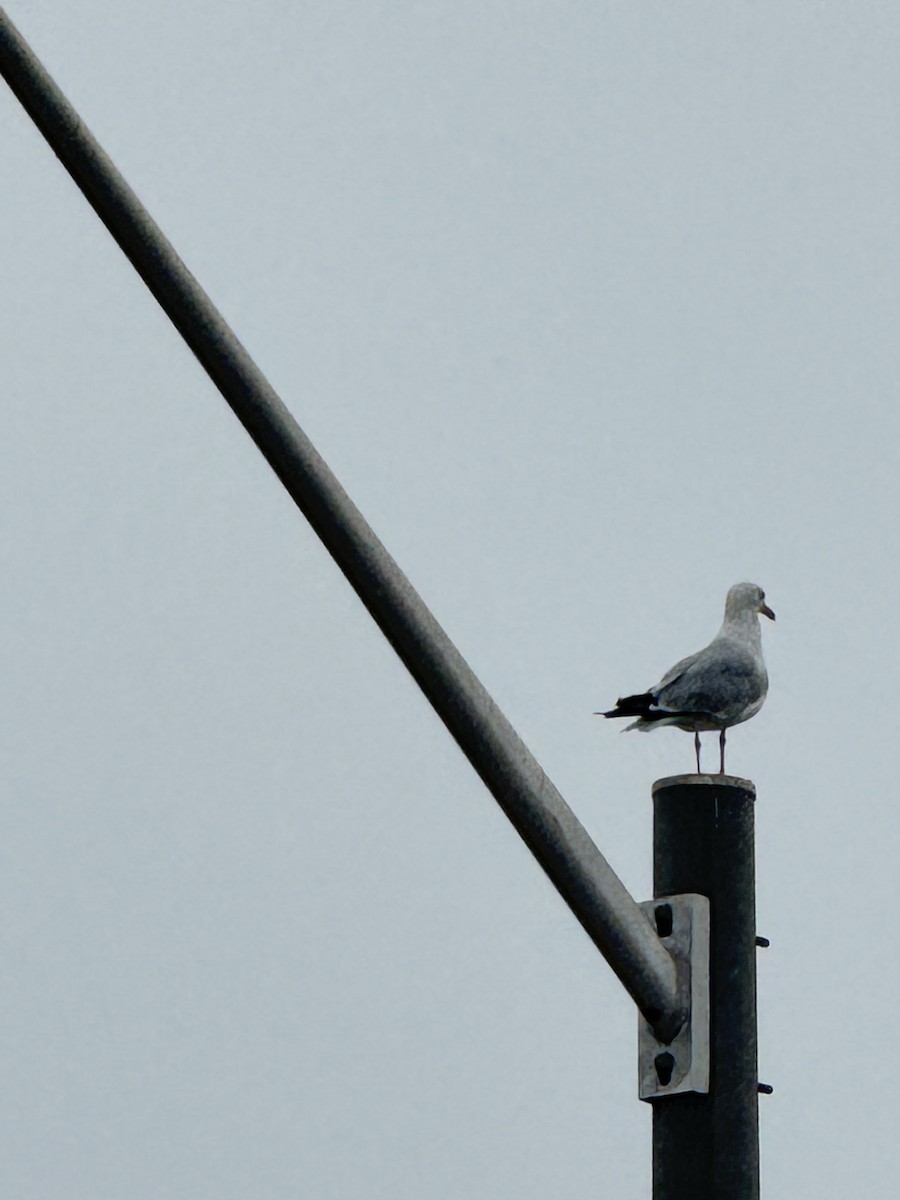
x: 716, y: 688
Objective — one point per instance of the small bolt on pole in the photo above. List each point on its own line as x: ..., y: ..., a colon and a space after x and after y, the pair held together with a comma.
x: 706, y: 1146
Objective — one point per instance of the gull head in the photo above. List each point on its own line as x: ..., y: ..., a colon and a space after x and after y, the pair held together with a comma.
x: 747, y: 598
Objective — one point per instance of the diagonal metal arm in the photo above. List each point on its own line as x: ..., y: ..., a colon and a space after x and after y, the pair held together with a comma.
x: 548, y: 826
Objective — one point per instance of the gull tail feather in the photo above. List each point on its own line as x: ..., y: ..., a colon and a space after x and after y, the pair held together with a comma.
x: 632, y: 706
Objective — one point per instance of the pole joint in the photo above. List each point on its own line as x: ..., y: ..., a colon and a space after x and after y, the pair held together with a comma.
x: 675, y: 1061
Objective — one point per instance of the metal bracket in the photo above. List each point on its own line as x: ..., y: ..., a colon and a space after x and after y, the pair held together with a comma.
x: 682, y: 923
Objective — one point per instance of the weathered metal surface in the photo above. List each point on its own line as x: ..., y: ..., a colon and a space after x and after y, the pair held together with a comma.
x: 707, y: 1147
x: 682, y: 1065
x: 557, y: 839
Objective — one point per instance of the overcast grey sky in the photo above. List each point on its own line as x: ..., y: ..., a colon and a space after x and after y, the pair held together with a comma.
x: 593, y: 308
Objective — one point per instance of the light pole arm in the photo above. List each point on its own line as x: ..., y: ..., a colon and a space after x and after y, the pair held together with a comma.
x: 546, y: 823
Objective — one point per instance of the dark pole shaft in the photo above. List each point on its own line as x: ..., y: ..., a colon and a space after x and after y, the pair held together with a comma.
x: 707, y: 1147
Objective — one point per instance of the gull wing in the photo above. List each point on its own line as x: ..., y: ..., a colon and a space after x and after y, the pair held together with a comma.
x: 675, y: 673
x: 724, y: 680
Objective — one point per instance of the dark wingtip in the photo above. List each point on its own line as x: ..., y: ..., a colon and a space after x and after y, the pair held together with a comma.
x: 632, y: 706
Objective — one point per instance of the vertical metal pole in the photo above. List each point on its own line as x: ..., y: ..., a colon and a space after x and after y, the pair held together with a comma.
x: 707, y: 1147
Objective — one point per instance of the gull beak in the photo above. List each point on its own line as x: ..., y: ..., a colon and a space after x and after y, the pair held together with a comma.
x: 767, y: 612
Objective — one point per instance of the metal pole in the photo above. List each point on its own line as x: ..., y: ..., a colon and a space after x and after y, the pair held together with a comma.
x: 548, y: 826
x: 707, y: 1147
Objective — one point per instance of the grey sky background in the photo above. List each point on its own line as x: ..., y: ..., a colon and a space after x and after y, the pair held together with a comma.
x: 593, y: 309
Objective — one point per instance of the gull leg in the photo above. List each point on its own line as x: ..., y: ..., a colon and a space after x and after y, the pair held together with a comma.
x: 722, y: 752
x: 697, y: 750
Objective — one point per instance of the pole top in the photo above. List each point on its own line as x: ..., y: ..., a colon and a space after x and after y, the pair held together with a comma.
x: 727, y: 782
